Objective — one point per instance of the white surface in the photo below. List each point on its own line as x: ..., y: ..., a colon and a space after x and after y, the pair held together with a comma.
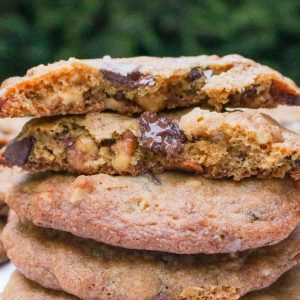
x: 5, y: 272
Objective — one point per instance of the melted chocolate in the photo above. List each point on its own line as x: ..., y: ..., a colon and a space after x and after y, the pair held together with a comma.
x: 18, y: 152
x: 161, y: 135
x: 131, y: 79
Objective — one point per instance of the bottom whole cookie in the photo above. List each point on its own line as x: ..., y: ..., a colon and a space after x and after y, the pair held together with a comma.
x: 19, y: 287
x: 91, y: 270
x: 3, y: 256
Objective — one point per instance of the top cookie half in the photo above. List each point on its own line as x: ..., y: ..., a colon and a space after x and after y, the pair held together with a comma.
x: 133, y: 85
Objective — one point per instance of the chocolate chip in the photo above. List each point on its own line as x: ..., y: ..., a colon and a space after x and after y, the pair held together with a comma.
x: 18, y: 152
x: 160, y: 135
x: 194, y: 75
x: 131, y: 79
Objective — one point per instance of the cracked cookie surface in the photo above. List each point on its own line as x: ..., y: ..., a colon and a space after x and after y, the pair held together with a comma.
x: 216, y: 145
x: 172, y: 212
x: 134, y: 85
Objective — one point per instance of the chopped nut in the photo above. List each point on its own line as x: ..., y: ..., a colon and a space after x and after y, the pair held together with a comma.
x: 151, y: 102
x: 125, y: 149
x: 70, y: 96
x: 262, y: 137
x: 82, y: 154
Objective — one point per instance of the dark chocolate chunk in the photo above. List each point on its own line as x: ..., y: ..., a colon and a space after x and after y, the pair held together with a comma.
x: 18, y: 152
x: 130, y: 79
x: 161, y: 135
x: 194, y: 75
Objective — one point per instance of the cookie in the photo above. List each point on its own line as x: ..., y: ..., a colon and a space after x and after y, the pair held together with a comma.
x: 9, y: 128
x: 217, y: 145
x: 286, y: 288
x: 8, y: 177
x: 3, y: 256
x: 133, y: 85
x: 91, y: 270
x: 173, y: 212
x: 21, y: 288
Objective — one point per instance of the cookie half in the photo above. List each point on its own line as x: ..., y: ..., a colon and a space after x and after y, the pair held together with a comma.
x: 91, y: 270
x: 217, y: 145
x: 174, y: 212
x: 131, y: 85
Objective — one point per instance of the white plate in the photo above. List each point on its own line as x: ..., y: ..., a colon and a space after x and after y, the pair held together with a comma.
x: 5, y: 271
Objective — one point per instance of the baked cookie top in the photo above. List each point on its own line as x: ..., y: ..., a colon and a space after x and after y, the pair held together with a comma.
x: 286, y: 288
x: 92, y: 270
x: 172, y: 212
x: 134, y: 85
x: 236, y: 144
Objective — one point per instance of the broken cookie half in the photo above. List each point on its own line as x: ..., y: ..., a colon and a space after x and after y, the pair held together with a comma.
x: 134, y: 85
x: 217, y: 145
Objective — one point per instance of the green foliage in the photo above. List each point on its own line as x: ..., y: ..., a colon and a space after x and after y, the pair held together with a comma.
x: 41, y: 31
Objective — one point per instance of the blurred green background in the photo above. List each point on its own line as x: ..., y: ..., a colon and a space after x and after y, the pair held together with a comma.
x: 37, y: 31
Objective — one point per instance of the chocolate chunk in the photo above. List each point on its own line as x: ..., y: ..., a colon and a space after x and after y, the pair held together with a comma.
x: 18, y: 152
x: 248, y: 96
x: 161, y: 135
x: 194, y: 75
x: 131, y: 79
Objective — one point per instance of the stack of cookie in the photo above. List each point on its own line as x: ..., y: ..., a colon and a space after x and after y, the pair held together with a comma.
x: 8, y: 129
x: 145, y: 193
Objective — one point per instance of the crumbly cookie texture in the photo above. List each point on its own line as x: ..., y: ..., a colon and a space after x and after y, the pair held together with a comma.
x: 91, y: 270
x: 132, y: 85
x: 217, y: 145
x: 172, y: 212
x: 19, y: 287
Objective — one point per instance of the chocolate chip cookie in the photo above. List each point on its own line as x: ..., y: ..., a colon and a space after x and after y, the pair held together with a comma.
x: 286, y: 288
x: 134, y: 85
x: 19, y: 287
x: 3, y: 256
x: 91, y: 270
x: 217, y: 145
x: 174, y: 212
